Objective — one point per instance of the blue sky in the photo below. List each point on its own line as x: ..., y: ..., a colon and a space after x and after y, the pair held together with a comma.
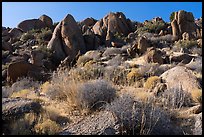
x: 15, y: 12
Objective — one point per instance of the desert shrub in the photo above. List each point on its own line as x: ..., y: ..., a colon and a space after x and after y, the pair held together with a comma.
x: 47, y: 127
x: 186, y: 43
x: 46, y: 34
x: 25, y: 83
x: 82, y: 60
x: 138, y: 118
x: 167, y: 38
x: 119, y: 37
x: 92, y: 93
x: 172, y: 16
x: 78, y: 92
x: 150, y: 27
x: 116, y: 75
x: 151, y: 82
x: 46, y: 51
x: 174, y: 99
x: 27, y: 36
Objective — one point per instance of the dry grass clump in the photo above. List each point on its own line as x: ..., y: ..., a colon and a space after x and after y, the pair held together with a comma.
x: 47, y: 127
x: 23, y: 93
x: 79, y: 94
x: 151, y: 82
x: 133, y: 75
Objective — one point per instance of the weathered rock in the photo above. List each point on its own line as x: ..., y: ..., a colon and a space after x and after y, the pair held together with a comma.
x: 37, y: 58
x: 198, y: 125
x: 72, y: 37
x: 143, y: 44
x: 20, y: 69
x: 199, y: 42
x: 175, y: 28
x: 91, y: 41
x: 6, y: 38
x: 55, y: 44
x: 111, y: 24
x: 154, y: 56
x: 27, y: 25
x: 47, y: 20
x: 7, y: 46
x: 112, y: 51
x: 101, y: 123
x: 67, y: 40
x: 88, y: 22
x: 94, y: 54
x: 16, y: 107
x: 181, y: 77
x: 15, y: 33
x: 183, y: 22
x: 180, y: 57
x: 185, y: 36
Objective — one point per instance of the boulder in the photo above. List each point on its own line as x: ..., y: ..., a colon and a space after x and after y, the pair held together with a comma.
x: 37, y: 58
x: 91, y: 41
x: 154, y: 56
x: 27, y: 25
x: 13, y: 108
x: 101, y: 123
x: 143, y: 44
x: 182, y: 77
x: 20, y: 69
x: 55, y: 44
x: 67, y: 40
x: 7, y: 46
x: 47, y: 20
x: 73, y: 41
x: 15, y: 33
x: 180, y: 57
x: 198, y: 125
x: 111, y: 24
x: 183, y: 22
x: 88, y: 22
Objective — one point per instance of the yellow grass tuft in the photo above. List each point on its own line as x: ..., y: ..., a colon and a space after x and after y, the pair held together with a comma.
x: 151, y: 82
x: 47, y: 127
x: 23, y: 93
x: 133, y: 74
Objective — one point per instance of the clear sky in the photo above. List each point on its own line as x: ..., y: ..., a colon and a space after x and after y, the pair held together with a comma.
x: 15, y: 12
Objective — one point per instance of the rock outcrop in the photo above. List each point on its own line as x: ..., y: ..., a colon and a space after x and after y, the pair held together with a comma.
x: 67, y: 40
x: 27, y: 25
x: 111, y: 24
x: 183, y: 22
x: 47, y: 20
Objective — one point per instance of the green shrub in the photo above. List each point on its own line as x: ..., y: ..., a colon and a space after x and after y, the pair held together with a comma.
x: 186, y: 43
x: 27, y: 36
x: 46, y: 34
x: 150, y: 27
x: 172, y: 16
